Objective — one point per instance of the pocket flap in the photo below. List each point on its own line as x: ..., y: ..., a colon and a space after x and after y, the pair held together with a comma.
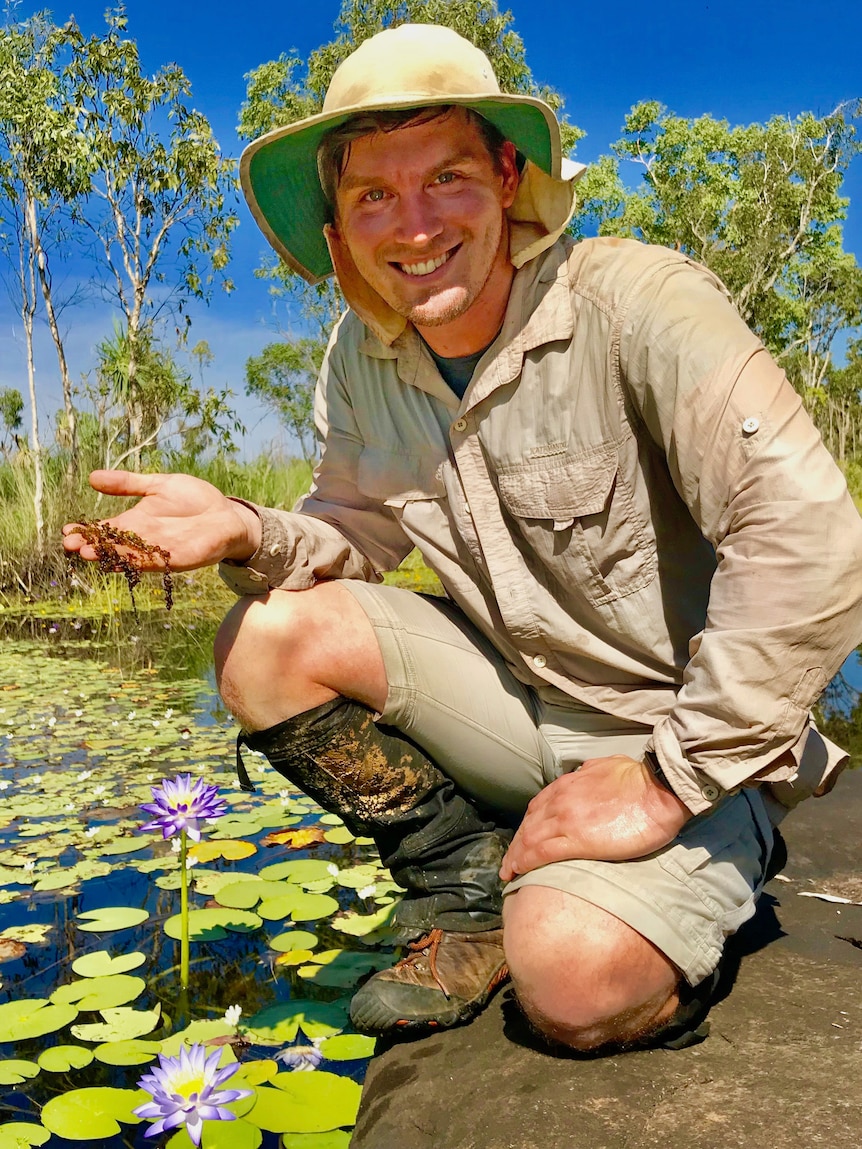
x: 394, y: 478
x: 561, y: 487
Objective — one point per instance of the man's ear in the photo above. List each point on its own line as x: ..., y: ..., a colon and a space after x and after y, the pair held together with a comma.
x: 509, y: 170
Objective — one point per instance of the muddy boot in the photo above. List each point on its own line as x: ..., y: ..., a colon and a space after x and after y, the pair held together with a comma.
x: 432, y: 839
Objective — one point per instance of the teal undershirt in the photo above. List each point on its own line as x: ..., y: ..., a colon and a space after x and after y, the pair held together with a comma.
x: 457, y: 371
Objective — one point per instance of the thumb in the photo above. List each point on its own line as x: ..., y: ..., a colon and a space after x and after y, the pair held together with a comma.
x: 121, y: 482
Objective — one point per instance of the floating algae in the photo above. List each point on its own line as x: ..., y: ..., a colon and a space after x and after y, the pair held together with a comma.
x: 104, y: 540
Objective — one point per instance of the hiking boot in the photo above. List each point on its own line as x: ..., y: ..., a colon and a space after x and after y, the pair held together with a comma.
x: 445, y: 980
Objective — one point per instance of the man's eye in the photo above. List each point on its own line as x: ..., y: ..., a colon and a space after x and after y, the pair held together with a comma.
x: 375, y: 195
x: 446, y: 178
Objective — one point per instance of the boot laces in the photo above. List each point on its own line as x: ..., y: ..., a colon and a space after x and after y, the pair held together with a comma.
x: 426, y: 946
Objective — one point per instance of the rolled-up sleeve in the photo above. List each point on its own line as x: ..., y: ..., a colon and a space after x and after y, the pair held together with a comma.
x: 785, y: 604
x: 334, y: 531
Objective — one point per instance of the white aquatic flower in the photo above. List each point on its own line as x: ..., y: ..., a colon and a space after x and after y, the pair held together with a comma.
x: 176, y: 845
x: 5, y: 785
x: 156, y: 722
x: 91, y: 832
x: 191, y: 860
x: 232, y: 1014
x: 52, y: 721
x: 169, y: 714
x: 29, y: 867
x: 332, y: 869
x: 132, y: 715
x: 84, y: 775
x: 36, y: 779
x: 69, y: 806
x: 78, y: 713
x: 367, y: 891
x: 99, y: 791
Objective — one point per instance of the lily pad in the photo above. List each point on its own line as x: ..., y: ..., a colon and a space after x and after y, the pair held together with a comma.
x: 346, y: 969
x: 359, y: 925
x: 92, y: 1114
x: 348, y: 1047
x: 57, y: 880
x: 101, y: 964
x: 246, y: 893
x: 293, y: 940
x: 18, y: 1134
x: 14, y: 1072
x: 133, y: 1052
x: 294, y: 957
x: 62, y: 1058
x: 298, y: 870
x: 212, y: 925
x: 120, y: 1024
x: 313, y: 907
x: 233, y: 850
x: 200, y: 1031
x: 279, y: 1024
x: 306, y: 1103
x: 10, y: 949
x: 100, y: 992
x: 30, y: 935
x: 111, y: 918
x: 335, y: 1139
x: 33, y: 1017
x: 220, y: 1135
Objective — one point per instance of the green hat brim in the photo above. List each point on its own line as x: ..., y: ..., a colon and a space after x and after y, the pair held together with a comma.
x: 278, y: 172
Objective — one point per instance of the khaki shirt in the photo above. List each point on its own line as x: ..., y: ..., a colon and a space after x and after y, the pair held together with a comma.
x: 630, y: 502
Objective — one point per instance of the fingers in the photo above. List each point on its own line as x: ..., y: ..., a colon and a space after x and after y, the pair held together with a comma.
x: 122, y: 482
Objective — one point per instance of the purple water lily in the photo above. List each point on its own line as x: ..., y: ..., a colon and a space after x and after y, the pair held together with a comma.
x: 300, y: 1057
x: 186, y: 1090
x: 182, y: 805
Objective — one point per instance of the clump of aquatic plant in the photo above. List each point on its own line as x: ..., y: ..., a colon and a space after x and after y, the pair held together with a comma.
x: 105, y: 539
x: 180, y: 807
x: 187, y: 1090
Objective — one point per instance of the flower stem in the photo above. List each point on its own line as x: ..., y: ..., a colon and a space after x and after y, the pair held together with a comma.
x: 184, y: 912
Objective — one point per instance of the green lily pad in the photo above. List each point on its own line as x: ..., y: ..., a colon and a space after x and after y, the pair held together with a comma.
x: 346, y: 969
x: 101, y: 964
x: 57, y: 880
x: 62, y: 1058
x: 306, y: 1103
x: 335, y: 1139
x: 33, y: 1017
x: 331, y: 820
x: 355, y: 877
x: 241, y: 895
x: 359, y: 925
x: 100, y: 992
x: 313, y: 907
x: 279, y: 1024
x: 91, y: 1114
x: 220, y: 1135
x: 14, y: 1072
x: 277, y: 909
x: 212, y: 925
x: 18, y: 1134
x: 30, y: 935
x: 132, y: 1052
x: 122, y: 1024
x: 293, y: 940
x: 210, y: 882
x: 111, y: 918
x: 124, y: 846
x: 199, y: 1031
x: 348, y: 1047
x: 298, y: 870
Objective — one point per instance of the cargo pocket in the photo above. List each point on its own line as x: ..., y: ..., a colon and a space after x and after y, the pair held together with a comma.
x: 576, y: 513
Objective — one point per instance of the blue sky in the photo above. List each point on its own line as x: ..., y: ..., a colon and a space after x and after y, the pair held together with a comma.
x: 742, y: 61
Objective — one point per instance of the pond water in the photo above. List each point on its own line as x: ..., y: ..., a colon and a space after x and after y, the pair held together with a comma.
x: 93, y: 713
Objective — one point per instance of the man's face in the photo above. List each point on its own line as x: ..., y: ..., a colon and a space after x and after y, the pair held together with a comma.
x: 421, y: 210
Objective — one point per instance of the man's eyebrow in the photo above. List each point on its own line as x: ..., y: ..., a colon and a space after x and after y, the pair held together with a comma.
x: 360, y: 180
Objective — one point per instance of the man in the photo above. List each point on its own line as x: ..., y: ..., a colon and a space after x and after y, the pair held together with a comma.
x: 650, y: 559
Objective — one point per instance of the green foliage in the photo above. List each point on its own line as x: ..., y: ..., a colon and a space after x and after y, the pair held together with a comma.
x: 11, y: 410
x: 282, y: 377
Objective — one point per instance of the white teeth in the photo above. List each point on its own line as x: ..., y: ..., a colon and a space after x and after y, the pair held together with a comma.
x: 425, y: 268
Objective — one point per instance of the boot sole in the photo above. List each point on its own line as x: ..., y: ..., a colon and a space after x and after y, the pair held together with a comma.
x: 374, y: 1017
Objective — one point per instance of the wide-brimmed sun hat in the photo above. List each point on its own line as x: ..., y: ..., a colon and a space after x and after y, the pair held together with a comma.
x: 411, y: 66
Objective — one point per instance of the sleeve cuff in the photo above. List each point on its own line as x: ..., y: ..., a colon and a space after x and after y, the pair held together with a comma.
x: 270, y: 565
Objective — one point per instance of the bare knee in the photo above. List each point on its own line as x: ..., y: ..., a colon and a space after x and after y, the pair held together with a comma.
x: 583, y: 977
x: 281, y: 653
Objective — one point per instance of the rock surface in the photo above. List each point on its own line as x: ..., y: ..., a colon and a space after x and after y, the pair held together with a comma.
x: 781, y: 1069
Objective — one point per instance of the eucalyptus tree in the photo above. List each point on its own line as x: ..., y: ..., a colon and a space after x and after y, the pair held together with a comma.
x: 159, y: 198
x: 40, y: 175
x: 286, y: 89
x: 760, y: 205
x: 282, y: 377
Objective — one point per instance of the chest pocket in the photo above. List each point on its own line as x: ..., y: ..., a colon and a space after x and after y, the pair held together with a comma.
x: 396, y: 479
x: 576, y: 513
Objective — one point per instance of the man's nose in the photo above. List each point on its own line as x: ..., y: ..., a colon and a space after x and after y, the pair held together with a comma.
x: 418, y: 220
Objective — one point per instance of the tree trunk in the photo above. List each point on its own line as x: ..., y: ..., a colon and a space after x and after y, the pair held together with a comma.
x: 28, y: 311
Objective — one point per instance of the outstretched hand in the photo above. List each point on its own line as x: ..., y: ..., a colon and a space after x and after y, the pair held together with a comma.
x: 611, y: 809
x: 187, y: 517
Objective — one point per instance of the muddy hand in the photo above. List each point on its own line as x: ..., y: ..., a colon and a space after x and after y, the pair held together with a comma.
x: 187, y: 517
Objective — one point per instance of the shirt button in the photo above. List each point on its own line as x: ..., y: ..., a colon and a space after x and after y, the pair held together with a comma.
x: 459, y: 425
x: 751, y: 425
x: 710, y: 792
x: 275, y: 549
x: 540, y: 661
x: 467, y: 509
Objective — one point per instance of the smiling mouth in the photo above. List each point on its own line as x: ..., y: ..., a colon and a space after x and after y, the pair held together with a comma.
x: 427, y: 266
